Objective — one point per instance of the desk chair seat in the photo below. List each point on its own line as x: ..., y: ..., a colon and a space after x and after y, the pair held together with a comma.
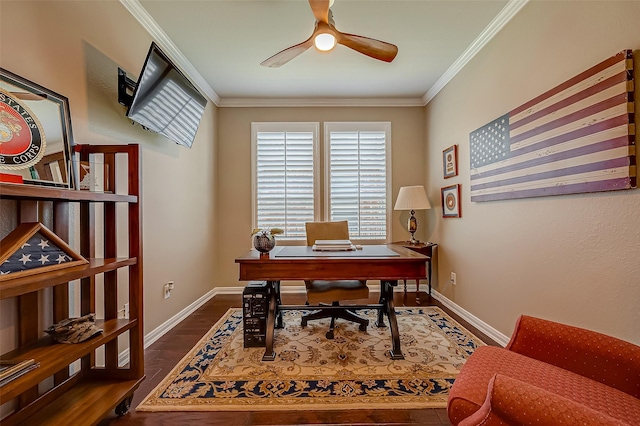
x: 332, y: 292
x: 321, y: 291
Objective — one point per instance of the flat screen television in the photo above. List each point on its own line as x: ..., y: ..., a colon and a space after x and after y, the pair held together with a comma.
x: 165, y: 101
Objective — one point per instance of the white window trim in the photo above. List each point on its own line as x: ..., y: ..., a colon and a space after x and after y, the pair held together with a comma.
x: 384, y: 126
x: 257, y: 127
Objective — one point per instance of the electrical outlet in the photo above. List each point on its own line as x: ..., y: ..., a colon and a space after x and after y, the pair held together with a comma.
x: 453, y: 278
x: 167, y: 288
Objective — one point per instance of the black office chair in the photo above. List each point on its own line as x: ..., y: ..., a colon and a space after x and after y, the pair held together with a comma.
x: 324, y: 291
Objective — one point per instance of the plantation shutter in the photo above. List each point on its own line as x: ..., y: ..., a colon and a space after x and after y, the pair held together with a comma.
x: 357, y: 184
x: 284, y: 178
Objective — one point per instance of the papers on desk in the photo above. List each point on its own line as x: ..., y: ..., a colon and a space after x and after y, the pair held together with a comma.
x: 333, y: 245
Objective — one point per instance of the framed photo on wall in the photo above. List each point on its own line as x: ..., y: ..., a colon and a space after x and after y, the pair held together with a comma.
x: 450, y: 161
x: 451, y: 201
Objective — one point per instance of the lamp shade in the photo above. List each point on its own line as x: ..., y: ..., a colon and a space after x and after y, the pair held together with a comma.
x: 412, y: 198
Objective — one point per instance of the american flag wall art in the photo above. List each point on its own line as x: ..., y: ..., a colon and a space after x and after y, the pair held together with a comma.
x: 577, y: 137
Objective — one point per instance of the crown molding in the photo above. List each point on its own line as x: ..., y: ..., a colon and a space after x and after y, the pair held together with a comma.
x: 505, y: 15
x: 168, y: 46
x: 319, y: 102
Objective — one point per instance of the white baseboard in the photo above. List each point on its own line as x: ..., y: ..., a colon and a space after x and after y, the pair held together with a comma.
x: 285, y: 289
x: 228, y: 290
x: 165, y: 327
x: 411, y: 286
x: 491, y: 332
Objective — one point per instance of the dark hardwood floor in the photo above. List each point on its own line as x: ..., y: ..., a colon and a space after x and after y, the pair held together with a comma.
x: 165, y: 353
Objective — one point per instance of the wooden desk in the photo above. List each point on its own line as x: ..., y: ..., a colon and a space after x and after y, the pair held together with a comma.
x: 301, y: 263
x: 422, y: 248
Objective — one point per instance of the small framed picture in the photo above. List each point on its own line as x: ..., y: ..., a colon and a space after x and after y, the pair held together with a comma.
x: 451, y: 201
x: 450, y: 161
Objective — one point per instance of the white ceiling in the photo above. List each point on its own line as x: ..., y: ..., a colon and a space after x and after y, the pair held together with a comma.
x: 220, y: 44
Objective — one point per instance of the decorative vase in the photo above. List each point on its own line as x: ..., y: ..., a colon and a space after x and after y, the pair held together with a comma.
x: 263, y: 243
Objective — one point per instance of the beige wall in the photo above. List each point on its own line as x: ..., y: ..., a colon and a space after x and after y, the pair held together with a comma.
x: 571, y: 258
x: 234, y: 168
x: 574, y: 258
x: 75, y: 48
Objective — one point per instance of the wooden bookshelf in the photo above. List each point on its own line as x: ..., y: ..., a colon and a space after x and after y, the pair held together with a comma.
x: 91, y: 391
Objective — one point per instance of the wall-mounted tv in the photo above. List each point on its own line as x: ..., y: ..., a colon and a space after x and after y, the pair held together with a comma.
x: 164, y: 100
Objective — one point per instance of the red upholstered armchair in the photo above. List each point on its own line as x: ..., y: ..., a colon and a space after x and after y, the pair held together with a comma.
x: 549, y: 374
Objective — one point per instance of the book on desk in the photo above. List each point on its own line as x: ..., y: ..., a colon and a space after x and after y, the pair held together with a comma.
x: 333, y: 245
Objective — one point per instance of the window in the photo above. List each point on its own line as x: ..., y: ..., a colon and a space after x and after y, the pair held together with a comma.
x: 357, y: 181
x: 285, y: 176
x: 287, y: 173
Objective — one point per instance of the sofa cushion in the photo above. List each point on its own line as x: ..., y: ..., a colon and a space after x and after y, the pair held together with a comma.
x: 514, y: 402
x: 470, y: 387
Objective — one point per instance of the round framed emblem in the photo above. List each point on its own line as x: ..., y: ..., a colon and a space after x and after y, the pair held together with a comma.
x: 22, y: 138
x: 450, y: 201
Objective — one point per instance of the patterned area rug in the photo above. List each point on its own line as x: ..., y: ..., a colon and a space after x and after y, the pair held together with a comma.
x: 312, y: 373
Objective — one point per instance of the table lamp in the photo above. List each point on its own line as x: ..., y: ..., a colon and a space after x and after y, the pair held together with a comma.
x: 412, y: 198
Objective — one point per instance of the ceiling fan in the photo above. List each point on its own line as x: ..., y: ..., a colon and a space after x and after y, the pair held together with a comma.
x: 325, y: 36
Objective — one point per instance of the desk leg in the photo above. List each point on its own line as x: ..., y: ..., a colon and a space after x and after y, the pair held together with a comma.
x: 429, y: 275
x: 274, y: 295
x: 279, y: 323
x: 382, y: 301
x: 396, y: 352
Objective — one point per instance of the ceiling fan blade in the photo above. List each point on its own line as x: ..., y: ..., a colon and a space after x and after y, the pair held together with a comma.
x: 287, y: 54
x: 368, y: 46
x: 320, y: 10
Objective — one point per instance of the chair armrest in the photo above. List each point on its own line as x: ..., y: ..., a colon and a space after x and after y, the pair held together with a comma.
x: 513, y: 402
x: 603, y: 358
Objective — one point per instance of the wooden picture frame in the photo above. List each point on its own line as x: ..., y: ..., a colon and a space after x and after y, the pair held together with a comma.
x: 450, y: 162
x: 21, y: 243
x: 450, y: 197
x: 37, y: 143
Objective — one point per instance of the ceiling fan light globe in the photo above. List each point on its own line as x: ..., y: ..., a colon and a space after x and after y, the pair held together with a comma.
x: 324, y: 42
